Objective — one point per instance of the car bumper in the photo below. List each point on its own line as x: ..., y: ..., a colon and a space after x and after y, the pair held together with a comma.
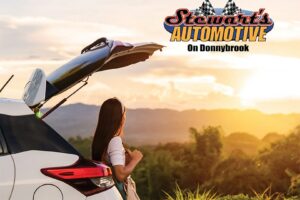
x: 111, y: 194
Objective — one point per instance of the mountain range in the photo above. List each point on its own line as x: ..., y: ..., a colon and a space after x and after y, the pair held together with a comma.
x: 153, y: 126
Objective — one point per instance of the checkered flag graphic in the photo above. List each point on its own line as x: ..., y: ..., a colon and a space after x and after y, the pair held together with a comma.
x: 231, y: 8
x: 205, y: 9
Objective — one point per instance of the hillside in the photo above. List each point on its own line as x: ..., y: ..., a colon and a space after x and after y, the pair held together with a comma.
x: 151, y: 126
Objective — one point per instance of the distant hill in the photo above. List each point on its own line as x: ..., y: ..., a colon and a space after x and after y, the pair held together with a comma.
x: 249, y: 144
x: 271, y: 138
x: 152, y: 126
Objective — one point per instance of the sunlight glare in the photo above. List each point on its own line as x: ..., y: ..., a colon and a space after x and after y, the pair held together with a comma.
x: 271, y: 84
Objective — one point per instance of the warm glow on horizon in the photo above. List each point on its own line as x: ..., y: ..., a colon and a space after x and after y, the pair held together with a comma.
x: 271, y: 84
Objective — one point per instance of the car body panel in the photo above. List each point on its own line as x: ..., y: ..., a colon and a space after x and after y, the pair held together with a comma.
x: 7, y: 176
x: 29, y: 180
x: 137, y: 53
x: 29, y: 177
x: 77, y: 69
x: 13, y: 107
x: 42, y: 193
x: 110, y: 194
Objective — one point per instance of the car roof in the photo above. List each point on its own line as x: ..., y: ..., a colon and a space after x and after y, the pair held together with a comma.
x: 14, y: 107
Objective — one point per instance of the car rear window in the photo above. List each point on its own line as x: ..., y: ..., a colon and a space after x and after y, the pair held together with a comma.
x: 24, y: 133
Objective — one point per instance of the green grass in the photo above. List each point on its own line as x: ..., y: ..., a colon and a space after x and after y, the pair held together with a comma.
x: 180, y: 194
x: 189, y: 195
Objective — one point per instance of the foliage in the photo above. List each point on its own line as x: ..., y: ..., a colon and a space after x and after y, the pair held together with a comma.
x: 246, y: 142
x: 83, y: 145
x: 159, y: 171
x: 199, y: 160
x: 238, y: 174
x: 203, y: 171
x: 282, y: 155
x: 189, y: 195
x: 294, y: 188
x: 180, y: 194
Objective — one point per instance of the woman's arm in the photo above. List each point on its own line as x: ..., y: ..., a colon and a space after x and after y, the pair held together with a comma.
x: 122, y: 172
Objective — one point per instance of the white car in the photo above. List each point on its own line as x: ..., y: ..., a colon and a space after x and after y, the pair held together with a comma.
x: 36, y: 163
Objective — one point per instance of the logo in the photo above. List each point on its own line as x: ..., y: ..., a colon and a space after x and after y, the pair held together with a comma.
x: 227, y: 24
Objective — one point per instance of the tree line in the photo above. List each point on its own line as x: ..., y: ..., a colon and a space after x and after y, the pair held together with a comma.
x: 201, y: 164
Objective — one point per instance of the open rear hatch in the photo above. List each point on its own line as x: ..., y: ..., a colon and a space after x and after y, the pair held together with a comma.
x: 101, y: 55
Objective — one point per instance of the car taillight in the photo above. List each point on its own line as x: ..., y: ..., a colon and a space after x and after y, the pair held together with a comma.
x: 86, y: 176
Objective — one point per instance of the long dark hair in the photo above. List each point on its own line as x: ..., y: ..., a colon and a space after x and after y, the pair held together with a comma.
x: 109, y: 122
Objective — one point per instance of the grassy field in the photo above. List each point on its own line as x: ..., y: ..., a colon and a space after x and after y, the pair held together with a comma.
x: 180, y: 194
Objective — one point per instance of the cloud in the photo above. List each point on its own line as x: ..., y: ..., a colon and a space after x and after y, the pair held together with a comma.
x: 40, y: 37
x: 2, y: 70
x: 171, y: 96
x: 97, y: 87
x: 174, y: 78
x: 250, y: 61
x: 193, y: 85
x: 285, y: 30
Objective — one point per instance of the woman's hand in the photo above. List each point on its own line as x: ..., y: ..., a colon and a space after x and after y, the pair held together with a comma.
x: 135, y: 155
x: 122, y: 172
x: 127, y: 157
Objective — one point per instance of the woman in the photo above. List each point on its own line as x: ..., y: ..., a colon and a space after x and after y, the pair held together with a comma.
x: 108, y: 146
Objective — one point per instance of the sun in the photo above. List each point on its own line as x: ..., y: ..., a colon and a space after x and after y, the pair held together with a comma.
x: 271, y: 84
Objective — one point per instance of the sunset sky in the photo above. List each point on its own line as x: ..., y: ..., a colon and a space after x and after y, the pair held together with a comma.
x: 46, y: 34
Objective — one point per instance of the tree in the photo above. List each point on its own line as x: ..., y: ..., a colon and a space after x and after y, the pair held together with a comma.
x: 157, y: 174
x: 202, y: 156
x: 83, y: 145
x: 238, y: 174
x: 282, y: 155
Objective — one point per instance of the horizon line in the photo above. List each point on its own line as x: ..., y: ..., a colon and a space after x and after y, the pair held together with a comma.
x: 191, y: 109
